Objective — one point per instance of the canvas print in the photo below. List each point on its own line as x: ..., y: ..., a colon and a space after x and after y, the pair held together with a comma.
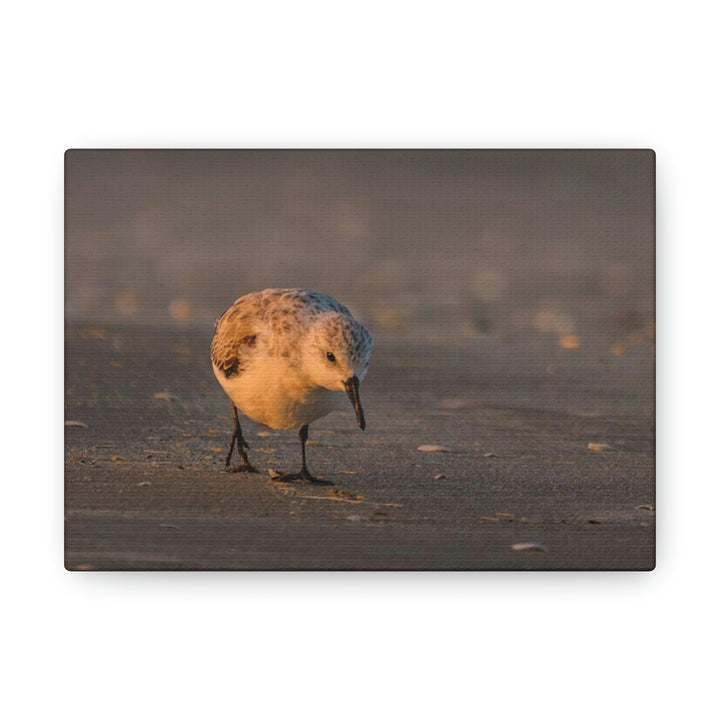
x: 359, y: 359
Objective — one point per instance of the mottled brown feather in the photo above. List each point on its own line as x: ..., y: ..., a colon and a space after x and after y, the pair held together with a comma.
x: 234, y: 336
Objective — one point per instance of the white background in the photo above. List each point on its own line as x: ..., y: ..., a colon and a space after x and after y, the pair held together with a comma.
x: 373, y: 74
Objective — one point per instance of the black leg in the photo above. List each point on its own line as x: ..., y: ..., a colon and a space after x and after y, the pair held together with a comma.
x: 304, y: 473
x: 303, y: 434
x: 237, y: 436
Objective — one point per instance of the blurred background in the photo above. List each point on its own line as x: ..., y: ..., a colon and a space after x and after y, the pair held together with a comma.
x: 441, y: 244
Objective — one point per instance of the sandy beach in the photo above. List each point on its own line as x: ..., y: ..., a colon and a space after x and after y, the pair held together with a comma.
x: 544, y: 459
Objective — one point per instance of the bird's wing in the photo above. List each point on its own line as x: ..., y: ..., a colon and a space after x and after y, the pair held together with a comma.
x: 235, y: 336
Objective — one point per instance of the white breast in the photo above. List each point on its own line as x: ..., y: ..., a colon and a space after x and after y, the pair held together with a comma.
x: 271, y: 395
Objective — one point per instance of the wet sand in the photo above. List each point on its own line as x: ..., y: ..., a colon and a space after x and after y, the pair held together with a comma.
x: 147, y: 429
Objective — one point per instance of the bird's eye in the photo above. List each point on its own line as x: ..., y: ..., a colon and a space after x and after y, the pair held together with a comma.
x: 331, y: 357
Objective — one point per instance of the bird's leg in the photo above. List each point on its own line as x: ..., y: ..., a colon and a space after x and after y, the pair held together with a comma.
x: 303, y: 435
x: 245, y: 466
x: 304, y: 473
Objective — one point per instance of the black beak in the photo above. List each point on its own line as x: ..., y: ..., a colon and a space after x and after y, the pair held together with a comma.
x: 352, y: 388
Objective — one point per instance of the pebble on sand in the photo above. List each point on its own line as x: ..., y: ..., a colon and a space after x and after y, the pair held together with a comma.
x: 355, y: 518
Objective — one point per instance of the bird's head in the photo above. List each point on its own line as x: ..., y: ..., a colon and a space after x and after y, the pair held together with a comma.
x: 337, y: 355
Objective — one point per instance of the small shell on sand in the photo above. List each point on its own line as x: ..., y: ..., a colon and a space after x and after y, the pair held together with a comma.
x: 167, y: 397
x: 529, y: 547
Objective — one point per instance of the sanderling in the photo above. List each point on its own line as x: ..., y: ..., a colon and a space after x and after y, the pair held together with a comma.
x: 281, y: 356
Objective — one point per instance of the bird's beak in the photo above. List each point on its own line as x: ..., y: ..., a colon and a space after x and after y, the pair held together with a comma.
x: 352, y: 388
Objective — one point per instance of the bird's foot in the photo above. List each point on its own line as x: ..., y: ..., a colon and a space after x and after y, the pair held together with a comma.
x: 303, y: 476
x: 243, y: 468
